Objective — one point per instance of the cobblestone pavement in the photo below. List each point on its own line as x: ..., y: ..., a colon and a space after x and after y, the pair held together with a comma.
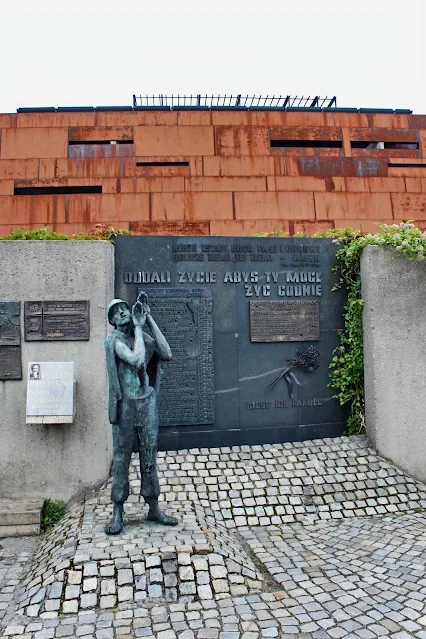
x: 15, y: 554
x: 312, y: 539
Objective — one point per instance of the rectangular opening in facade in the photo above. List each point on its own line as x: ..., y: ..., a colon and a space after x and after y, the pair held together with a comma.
x: 403, y: 165
x: 56, y: 190
x: 162, y: 163
x: 369, y: 144
x: 307, y: 144
x: 91, y: 142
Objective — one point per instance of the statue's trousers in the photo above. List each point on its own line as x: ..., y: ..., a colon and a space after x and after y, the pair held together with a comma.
x: 137, y: 430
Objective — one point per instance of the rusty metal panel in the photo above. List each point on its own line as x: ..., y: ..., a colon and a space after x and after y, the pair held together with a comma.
x: 241, y: 140
x: 26, y: 184
x: 417, y: 121
x: 384, y: 134
x: 307, y: 152
x: 305, y: 133
x: 88, y: 167
x: 386, y: 153
x: 170, y: 228
x: 96, y: 133
x: 90, y: 150
x: 351, y: 167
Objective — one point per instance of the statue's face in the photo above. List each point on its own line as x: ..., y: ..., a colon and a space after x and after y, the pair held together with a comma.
x: 121, y: 315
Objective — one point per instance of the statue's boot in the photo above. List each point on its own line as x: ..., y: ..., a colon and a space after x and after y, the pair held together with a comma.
x: 115, y: 526
x: 156, y: 514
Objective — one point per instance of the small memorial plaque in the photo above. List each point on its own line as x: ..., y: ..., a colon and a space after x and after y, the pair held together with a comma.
x: 10, y: 334
x: 10, y: 362
x: 276, y: 321
x: 50, y: 392
x: 56, y: 320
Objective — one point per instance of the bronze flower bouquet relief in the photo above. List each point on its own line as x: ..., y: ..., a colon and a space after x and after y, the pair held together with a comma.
x: 305, y: 361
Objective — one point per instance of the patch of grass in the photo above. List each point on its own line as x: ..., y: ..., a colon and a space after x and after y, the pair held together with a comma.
x: 53, y: 511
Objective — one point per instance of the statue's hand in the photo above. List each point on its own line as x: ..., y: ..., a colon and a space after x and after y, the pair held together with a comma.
x: 138, y: 314
x: 146, y: 310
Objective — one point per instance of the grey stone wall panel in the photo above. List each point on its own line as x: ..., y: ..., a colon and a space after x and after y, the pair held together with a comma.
x: 58, y: 461
x: 394, y: 325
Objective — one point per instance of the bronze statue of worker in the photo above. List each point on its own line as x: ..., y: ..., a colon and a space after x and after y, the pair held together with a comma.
x: 133, y: 363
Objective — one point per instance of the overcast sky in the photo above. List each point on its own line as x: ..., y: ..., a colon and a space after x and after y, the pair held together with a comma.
x: 369, y: 53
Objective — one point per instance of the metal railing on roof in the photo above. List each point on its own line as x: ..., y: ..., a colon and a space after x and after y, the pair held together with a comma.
x: 231, y: 102
x: 239, y: 101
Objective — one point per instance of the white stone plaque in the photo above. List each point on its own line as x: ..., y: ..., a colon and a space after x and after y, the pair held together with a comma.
x: 50, y: 393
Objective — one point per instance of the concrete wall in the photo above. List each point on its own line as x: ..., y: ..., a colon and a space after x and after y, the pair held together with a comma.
x: 233, y: 183
x: 58, y: 461
x: 394, y: 321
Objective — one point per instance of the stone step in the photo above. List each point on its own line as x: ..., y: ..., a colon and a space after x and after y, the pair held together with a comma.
x: 19, y: 517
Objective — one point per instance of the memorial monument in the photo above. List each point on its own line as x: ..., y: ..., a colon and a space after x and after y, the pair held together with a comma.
x: 253, y: 323
x: 133, y: 363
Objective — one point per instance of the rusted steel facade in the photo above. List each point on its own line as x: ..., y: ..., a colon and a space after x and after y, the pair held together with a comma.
x: 211, y: 172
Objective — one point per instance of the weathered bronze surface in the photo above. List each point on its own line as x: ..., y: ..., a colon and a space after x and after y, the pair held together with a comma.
x: 10, y: 341
x: 134, y: 366
x: 57, y: 320
x: 276, y: 321
x: 10, y: 334
x: 10, y: 362
x: 187, y: 386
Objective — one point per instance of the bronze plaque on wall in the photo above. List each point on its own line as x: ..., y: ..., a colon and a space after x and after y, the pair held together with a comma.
x: 10, y: 340
x: 10, y: 333
x: 276, y: 321
x: 57, y: 320
x: 10, y: 362
x: 187, y: 382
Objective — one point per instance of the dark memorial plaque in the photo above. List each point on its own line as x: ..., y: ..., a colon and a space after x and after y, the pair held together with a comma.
x: 284, y: 321
x: 258, y: 312
x: 10, y: 332
x: 187, y: 382
x: 57, y: 320
x: 10, y: 362
x: 10, y: 341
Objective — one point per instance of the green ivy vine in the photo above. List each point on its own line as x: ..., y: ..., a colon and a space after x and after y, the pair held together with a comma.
x: 347, y: 365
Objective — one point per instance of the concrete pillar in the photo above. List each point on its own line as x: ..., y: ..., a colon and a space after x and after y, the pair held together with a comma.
x: 394, y: 325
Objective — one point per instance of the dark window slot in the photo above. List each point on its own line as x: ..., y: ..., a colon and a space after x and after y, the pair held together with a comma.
x: 307, y: 144
x: 162, y: 163
x: 409, y: 146
x: 369, y: 144
x: 91, y: 142
x: 402, y: 165
x: 56, y: 190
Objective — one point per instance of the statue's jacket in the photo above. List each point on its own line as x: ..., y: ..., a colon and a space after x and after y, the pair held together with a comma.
x: 153, y: 370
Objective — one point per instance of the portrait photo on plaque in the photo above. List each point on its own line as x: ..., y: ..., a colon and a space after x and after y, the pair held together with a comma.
x: 34, y: 371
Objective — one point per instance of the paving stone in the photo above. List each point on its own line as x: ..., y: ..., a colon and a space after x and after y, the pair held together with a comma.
x: 186, y: 573
x: 108, y: 601
x: 74, y: 577
x: 88, y: 600
x: 205, y: 592
x: 125, y: 593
